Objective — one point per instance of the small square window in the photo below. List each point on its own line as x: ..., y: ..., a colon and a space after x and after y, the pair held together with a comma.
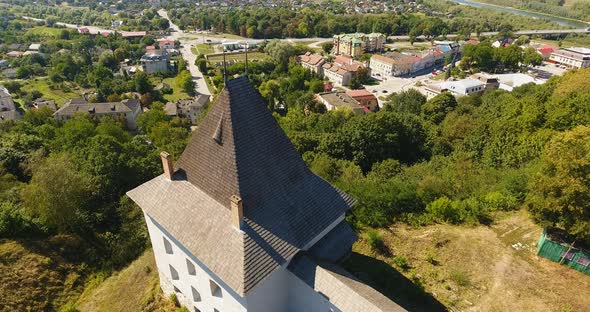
x: 190, y: 267
x: 167, y: 246
x: 174, y: 273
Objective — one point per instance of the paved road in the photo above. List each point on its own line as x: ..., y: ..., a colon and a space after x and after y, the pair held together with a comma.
x: 187, y: 54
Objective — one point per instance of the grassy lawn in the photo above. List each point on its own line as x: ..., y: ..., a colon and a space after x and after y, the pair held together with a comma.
x: 469, y: 268
x: 202, y: 48
x: 240, y: 57
x: 131, y: 289
x: 42, y: 85
x: 177, y: 93
x: 227, y: 36
x: 44, y: 31
x: 33, y: 278
x: 567, y: 42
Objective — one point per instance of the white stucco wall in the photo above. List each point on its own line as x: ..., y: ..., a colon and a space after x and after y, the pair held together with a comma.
x: 230, y: 301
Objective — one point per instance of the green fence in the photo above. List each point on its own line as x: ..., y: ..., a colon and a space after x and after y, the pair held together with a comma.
x: 557, y: 251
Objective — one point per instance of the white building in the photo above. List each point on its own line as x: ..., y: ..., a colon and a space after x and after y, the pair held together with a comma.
x: 188, y: 108
x: 457, y: 88
x: 572, y: 57
x: 155, y: 61
x: 126, y: 110
x: 510, y: 81
x: 241, y: 224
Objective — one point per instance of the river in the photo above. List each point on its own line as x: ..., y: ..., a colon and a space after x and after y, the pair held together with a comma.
x: 561, y: 21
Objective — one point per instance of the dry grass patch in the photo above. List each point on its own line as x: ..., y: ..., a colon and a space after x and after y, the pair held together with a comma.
x: 481, y: 268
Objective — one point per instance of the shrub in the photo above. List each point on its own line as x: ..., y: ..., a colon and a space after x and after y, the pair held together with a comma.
x: 401, y: 262
x: 460, y: 278
x: 174, y: 299
x: 442, y: 210
x: 376, y: 242
x: 500, y: 201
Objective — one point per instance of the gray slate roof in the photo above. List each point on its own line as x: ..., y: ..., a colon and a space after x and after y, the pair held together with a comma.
x: 80, y: 105
x: 9, y: 115
x: 341, y: 288
x: 239, y: 149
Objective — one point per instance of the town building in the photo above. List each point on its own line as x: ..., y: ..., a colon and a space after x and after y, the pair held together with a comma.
x: 34, y: 47
x: 571, y: 57
x: 7, y: 108
x: 491, y: 82
x: 461, y: 87
x: 510, y: 81
x: 240, y: 223
x: 14, y: 54
x: 116, y: 24
x: 126, y: 110
x: 41, y: 102
x: 313, y: 62
x: 188, y: 108
x: 155, y: 61
x: 342, y: 70
x: 356, y: 44
x: 393, y: 64
x: 166, y: 44
x: 546, y: 51
x: 365, y: 99
x: 9, y: 73
x: 340, y: 100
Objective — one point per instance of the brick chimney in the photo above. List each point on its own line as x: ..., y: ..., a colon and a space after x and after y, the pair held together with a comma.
x: 237, y: 212
x: 167, y: 164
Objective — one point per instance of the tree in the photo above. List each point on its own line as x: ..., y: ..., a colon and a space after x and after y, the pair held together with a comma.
x: 327, y: 47
x: 531, y: 57
x: 559, y: 193
x: 280, y: 52
x: 59, y: 195
x: 201, y: 63
x: 185, y: 81
x: 407, y: 101
x: 270, y: 91
x: 141, y: 82
x: 438, y: 107
x: 107, y: 59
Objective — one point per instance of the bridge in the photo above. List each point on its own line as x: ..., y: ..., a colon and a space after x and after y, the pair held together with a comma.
x: 539, y: 32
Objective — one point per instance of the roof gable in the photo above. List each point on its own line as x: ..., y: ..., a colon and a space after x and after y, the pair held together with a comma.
x: 239, y: 149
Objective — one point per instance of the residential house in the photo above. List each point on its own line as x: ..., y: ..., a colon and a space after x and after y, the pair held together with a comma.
x: 571, y: 57
x: 83, y: 30
x: 166, y: 44
x: 7, y: 108
x: 116, y: 24
x: 342, y: 70
x: 313, y: 62
x: 41, y: 102
x: 155, y: 61
x: 458, y: 88
x: 133, y: 34
x: 241, y: 224
x: 341, y: 100
x: 9, y: 73
x: 546, y: 51
x: 4, y: 64
x: 14, y: 54
x: 126, y: 109
x: 188, y: 108
x: 365, y: 99
x: 358, y: 43
x: 34, y: 47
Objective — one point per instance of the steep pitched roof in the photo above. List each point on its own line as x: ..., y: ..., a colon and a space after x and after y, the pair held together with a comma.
x: 239, y: 149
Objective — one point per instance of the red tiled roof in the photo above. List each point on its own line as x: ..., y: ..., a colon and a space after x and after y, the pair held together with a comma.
x: 359, y: 93
x: 128, y: 34
x: 150, y: 47
x: 546, y: 49
x: 472, y: 41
